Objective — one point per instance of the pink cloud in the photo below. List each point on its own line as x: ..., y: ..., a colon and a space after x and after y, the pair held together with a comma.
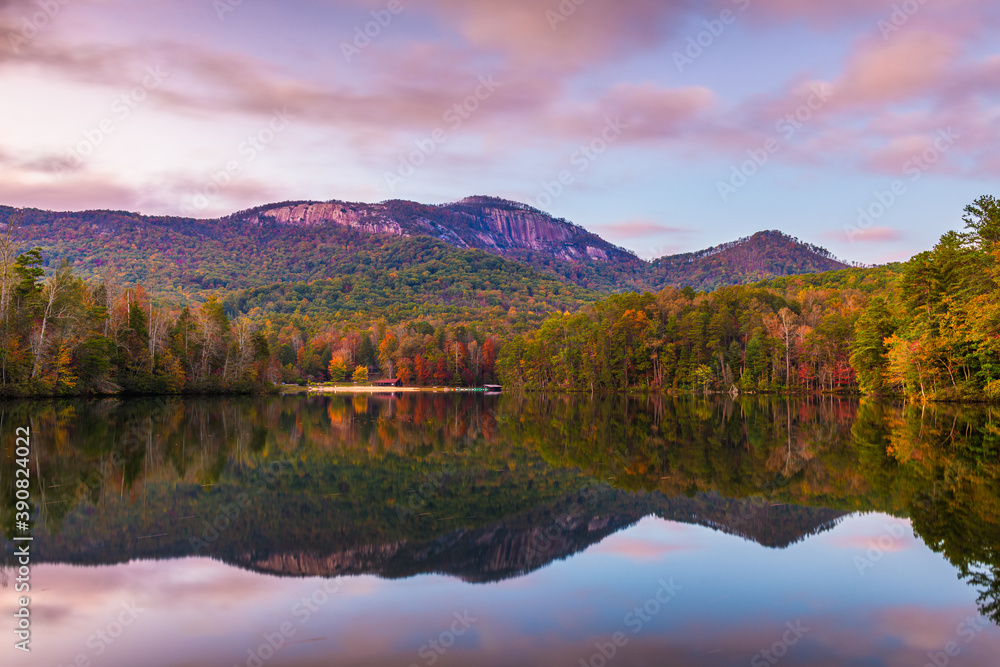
x: 909, y: 65
x: 637, y: 549
x: 626, y: 113
x: 820, y: 10
x: 653, y: 112
x: 974, y: 79
x: 544, y: 37
x: 900, y: 256
x: 102, y: 191
x: 878, y: 235
x: 823, y: 13
x: 407, y: 89
x: 73, y: 194
x: 892, y: 157
x: 890, y: 96
x: 883, y: 543
x: 928, y: 630
x: 888, y: 105
x: 637, y: 228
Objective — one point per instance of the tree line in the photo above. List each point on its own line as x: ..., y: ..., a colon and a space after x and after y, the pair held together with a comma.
x: 66, y: 336
x: 936, y: 334
x: 415, y: 352
x: 929, y: 329
x: 736, y: 338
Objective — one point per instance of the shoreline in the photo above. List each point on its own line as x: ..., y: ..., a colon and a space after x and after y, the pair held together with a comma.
x: 390, y: 390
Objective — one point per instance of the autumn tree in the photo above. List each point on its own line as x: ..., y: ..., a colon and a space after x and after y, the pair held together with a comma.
x: 361, y: 374
x: 338, y: 369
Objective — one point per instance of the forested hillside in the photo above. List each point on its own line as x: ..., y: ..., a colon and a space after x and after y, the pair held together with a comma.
x: 762, y: 256
x: 69, y: 336
x: 108, y: 333
x: 431, y: 314
x: 179, y: 259
x: 929, y: 328
x: 416, y: 277
x: 182, y: 259
x: 936, y: 334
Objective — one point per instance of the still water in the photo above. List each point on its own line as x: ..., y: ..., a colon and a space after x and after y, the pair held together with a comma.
x: 434, y: 529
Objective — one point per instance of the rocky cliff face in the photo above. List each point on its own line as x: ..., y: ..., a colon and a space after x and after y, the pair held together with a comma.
x: 344, y: 215
x: 366, y: 558
x: 484, y: 223
x: 519, y: 546
x: 505, y: 549
x: 493, y: 553
x: 530, y: 230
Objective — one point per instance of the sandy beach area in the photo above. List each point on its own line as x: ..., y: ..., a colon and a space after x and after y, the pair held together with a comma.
x: 384, y: 390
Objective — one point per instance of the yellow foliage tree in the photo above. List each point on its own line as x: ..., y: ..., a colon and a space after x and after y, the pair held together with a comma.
x: 337, y: 369
x: 65, y: 379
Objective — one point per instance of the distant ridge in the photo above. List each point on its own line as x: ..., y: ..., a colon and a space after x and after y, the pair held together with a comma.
x: 296, y: 241
x: 764, y: 255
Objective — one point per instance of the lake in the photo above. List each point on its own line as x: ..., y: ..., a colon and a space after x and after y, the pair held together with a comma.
x: 462, y: 529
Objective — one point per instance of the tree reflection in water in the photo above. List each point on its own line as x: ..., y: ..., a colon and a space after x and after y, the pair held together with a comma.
x: 492, y: 487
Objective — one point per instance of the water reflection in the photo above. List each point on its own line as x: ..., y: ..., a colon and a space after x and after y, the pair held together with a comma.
x: 490, y: 489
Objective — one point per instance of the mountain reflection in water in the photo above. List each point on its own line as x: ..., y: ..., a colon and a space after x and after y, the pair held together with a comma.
x: 488, y: 488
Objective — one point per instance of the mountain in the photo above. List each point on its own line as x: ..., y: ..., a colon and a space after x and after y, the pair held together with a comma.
x: 518, y: 543
x: 524, y: 543
x: 759, y: 257
x: 310, y: 241
x: 259, y: 260
x: 557, y: 246
x: 499, y: 226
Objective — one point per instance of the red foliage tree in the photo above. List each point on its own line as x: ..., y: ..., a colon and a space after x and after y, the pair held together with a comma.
x: 441, y: 374
x: 422, y: 370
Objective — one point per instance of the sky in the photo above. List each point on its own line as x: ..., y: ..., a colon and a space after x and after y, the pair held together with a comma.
x: 731, y: 599
x: 865, y: 126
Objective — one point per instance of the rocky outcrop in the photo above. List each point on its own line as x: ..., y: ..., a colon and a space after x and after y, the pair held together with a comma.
x: 359, y: 217
x: 494, y: 553
x: 524, y: 228
x: 523, y: 544
x: 366, y: 558
x: 494, y: 225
